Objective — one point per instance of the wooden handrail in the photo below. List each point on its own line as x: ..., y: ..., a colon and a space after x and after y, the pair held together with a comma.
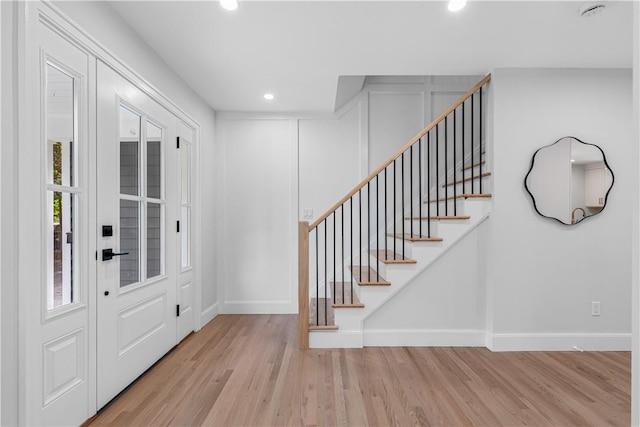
x: 303, y: 285
x: 406, y: 147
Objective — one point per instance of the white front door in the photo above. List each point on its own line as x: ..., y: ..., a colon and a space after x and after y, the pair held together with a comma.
x: 137, y: 214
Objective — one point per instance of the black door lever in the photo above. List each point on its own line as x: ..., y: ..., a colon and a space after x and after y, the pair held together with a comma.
x: 108, y: 254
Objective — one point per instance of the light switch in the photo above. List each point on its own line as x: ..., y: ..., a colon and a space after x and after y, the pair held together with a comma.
x: 307, y: 213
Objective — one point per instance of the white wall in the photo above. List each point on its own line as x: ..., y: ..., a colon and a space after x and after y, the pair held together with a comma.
x: 543, y: 276
x: 330, y: 150
x: 394, y: 118
x: 104, y: 25
x: 258, y: 242
x: 443, y: 305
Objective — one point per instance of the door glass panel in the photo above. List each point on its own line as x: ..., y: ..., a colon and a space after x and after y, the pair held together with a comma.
x: 60, y: 135
x: 185, y: 209
x: 154, y: 161
x: 61, y: 289
x: 154, y: 239
x: 60, y: 127
x: 129, y: 152
x: 185, y: 227
x: 185, y: 154
x: 129, y: 242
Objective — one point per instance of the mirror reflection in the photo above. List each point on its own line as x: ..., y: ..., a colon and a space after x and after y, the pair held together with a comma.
x: 569, y: 180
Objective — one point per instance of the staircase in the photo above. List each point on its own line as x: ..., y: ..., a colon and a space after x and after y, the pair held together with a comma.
x: 393, y: 225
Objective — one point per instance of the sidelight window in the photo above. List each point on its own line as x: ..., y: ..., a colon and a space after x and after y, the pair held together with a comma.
x: 62, y: 187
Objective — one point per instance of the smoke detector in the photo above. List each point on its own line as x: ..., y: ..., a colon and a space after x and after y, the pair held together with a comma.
x: 590, y: 9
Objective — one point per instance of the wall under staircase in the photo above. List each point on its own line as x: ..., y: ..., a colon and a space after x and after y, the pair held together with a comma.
x: 396, y: 279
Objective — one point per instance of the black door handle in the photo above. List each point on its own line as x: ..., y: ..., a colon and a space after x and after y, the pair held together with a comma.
x: 108, y: 254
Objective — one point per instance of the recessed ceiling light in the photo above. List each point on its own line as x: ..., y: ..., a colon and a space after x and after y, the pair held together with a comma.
x: 456, y: 5
x: 269, y: 96
x: 229, y: 4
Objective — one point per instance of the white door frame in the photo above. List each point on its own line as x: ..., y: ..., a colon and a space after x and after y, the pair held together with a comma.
x: 25, y: 21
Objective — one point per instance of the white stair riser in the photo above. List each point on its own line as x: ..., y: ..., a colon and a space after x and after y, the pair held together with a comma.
x: 468, y: 189
x: 426, y: 229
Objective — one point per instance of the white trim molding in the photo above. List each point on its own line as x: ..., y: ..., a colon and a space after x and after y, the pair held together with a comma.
x: 424, y: 338
x: 559, y: 342
x: 208, y: 314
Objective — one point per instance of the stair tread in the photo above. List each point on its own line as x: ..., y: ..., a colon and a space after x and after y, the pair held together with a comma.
x: 415, y: 238
x: 344, y: 296
x: 475, y: 165
x: 367, y: 276
x: 390, y: 257
x: 440, y: 217
x: 323, y: 327
x: 460, y: 181
x: 321, y: 314
x: 461, y: 196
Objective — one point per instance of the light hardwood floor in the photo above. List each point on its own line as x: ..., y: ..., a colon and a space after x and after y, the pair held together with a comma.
x: 246, y: 370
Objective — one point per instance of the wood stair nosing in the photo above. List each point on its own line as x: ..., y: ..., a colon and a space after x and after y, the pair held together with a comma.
x: 390, y: 257
x: 439, y: 218
x: 367, y: 276
x: 313, y: 327
x: 475, y: 165
x: 343, y: 297
x: 411, y: 238
x: 460, y: 181
x: 461, y: 196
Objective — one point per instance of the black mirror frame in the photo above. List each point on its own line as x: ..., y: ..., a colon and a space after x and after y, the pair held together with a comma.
x: 533, y: 199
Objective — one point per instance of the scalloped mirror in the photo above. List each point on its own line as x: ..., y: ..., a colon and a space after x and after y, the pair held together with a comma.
x: 569, y: 180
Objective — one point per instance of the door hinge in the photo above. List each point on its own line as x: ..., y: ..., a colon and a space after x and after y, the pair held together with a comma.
x: 177, y: 142
x: 96, y: 255
x: 178, y: 310
x: 177, y: 226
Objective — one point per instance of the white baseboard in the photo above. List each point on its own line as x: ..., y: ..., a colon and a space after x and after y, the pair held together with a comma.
x: 335, y: 339
x: 424, y: 338
x: 208, y: 314
x: 559, y: 342
x: 251, y: 307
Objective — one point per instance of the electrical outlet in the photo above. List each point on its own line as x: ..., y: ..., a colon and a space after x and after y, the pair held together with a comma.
x: 307, y: 213
x: 595, y: 308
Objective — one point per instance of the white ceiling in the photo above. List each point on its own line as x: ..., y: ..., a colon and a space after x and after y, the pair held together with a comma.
x: 298, y: 49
